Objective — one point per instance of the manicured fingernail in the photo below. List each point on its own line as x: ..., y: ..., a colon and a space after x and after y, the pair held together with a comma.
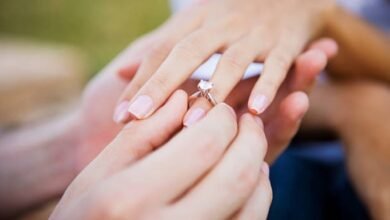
x: 193, y: 116
x: 141, y: 106
x: 259, y: 104
x: 265, y: 169
x: 121, y: 114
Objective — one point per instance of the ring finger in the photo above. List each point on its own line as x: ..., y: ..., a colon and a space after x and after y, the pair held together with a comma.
x: 229, y: 72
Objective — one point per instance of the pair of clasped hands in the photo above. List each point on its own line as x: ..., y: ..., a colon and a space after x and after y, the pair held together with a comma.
x: 216, y: 166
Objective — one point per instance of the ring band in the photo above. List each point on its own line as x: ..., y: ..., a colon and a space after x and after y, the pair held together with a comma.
x: 204, y: 88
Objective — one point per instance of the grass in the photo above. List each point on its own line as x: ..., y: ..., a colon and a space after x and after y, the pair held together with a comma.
x: 100, y: 28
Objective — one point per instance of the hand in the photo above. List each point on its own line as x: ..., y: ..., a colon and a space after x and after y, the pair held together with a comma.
x: 358, y: 113
x: 233, y: 28
x: 284, y: 115
x: 208, y: 171
x: 95, y: 127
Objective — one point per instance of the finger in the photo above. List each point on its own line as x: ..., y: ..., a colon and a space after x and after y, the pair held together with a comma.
x: 156, y: 51
x: 258, y: 205
x: 310, y: 64
x: 138, y: 138
x: 276, y: 67
x: 129, y: 57
x: 301, y: 78
x: 134, y: 55
x: 326, y: 45
x: 181, y: 62
x: 228, y: 186
x: 171, y: 170
x: 285, y: 123
x: 229, y: 72
x: 307, y: 67
x: 135, y: 141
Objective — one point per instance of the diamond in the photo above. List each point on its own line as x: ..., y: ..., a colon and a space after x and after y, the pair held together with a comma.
x: 205, y: 85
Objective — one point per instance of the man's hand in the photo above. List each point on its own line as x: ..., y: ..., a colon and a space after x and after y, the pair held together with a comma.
x: 213, y: 170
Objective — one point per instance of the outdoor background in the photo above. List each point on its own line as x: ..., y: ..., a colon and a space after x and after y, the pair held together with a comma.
x: 50, y: 49
x: 98, y: 28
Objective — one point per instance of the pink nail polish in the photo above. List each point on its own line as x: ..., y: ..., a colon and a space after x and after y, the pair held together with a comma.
x: 259, y: 104
x: 193, y: 116
x: 265, y: 168
x: 141, y: 106
x: 121, y: 114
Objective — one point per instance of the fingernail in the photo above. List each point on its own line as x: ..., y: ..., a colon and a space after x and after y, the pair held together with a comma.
x: 193, y: 116
x: 259, y: 104
x: 141, y: 106
x: 121, y: 114
x: 265, y: 168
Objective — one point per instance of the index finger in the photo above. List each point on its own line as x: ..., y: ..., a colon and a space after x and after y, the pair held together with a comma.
x: 174, y: 168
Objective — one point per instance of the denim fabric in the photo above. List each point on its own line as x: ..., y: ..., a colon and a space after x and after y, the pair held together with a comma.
x: 307, y: 188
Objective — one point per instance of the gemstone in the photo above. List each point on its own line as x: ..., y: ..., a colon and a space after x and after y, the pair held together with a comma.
x: 205, y: 85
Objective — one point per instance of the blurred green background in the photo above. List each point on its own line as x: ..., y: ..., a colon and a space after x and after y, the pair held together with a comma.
x: 99, y: 28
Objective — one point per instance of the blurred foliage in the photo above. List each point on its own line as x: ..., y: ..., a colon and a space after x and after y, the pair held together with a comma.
x: 100, y: 28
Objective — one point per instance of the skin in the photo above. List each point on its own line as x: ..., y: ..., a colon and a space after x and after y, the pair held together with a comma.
x: 364, y: 133
x: 233, y: 28
x: 356, y: 60
x: 283, y: 117
x: 216, y: 178
x: 70, y: 143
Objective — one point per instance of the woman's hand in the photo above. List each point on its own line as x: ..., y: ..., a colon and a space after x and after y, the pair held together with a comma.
x: 244, y: 31
x: 212, y: 170
x: 283, y: 117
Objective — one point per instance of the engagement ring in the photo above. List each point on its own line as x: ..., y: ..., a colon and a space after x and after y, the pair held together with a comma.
x: 204, y: 88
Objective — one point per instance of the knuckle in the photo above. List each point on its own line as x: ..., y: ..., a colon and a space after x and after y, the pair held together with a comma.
x: 270, y: 84
x: 139, y: 146
x: 105, y: 205
x: 234, y: 60
x: 160, y: 50
x: 209, y: 150
x: 247, y: 178
x: 159, y: 84
x: 188, y: 48
x: 116, y: 204
x: 281, y: 61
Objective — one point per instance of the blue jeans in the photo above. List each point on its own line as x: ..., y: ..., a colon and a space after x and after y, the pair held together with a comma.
x: 307, y: 188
